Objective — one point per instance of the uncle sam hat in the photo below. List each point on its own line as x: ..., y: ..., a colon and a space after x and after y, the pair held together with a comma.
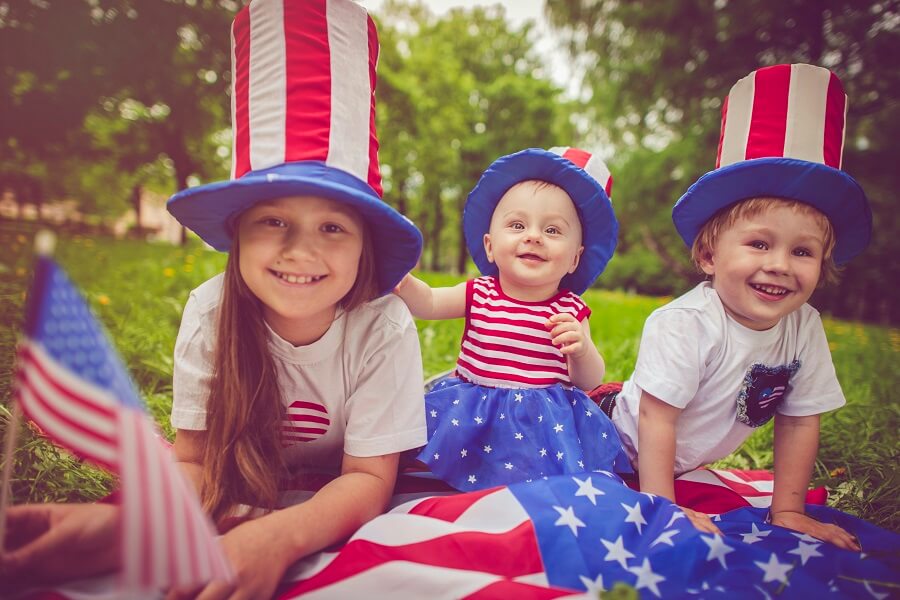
x: 303, y: 117
x: 583, y: 176
x: 782, y: 136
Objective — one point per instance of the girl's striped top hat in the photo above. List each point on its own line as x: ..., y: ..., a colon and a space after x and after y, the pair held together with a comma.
x: 582, y: 175
x: 782, y: 136
x: 303, y: 117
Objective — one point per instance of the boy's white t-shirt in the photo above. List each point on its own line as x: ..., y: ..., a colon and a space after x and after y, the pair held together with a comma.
x: 358, y: 389
x: 696, y: 358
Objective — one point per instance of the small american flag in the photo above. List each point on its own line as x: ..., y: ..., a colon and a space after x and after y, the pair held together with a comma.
x: 72, y: 384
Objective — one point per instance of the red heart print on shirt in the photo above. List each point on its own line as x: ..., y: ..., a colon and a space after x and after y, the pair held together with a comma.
x: 304, y: 421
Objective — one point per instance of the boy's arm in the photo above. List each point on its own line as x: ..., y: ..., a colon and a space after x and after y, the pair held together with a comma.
x: 796, y: 445
x: 656, y: 455
x: 426, y: 302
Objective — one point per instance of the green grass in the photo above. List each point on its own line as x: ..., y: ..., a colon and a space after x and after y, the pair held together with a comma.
x: 138, y: 291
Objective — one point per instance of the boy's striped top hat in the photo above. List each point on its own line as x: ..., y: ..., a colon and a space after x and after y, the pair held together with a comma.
x: 782, y: 136
x: 303, y: 117
x: 583, y: 176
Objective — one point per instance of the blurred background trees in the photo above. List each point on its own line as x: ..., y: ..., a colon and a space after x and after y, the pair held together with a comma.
x: 102, y: 98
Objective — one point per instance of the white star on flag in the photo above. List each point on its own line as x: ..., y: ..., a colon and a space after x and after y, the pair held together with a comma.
x: 666, y: 538
x: 806, y: 538
x: 559, y: 455
x: 588, y: 413
x: 463, y: 453
x: 455, y: 422
x: 479, y: 420
x: 557, y: 428
x: 605, y: 435
x: 634, y: 515
x: 488, y: 449
x: 774, y: 570
x: 543, y: 452
x: 508, y: 466
x: 646, y: 578
x: 718, y: 549
x: 586, y: 488
x: 755, y: 534
x: 592, y: 586
x: 806, y: 551
x: 519, y: 436
x: 675, y: 516
x: 567, y: 517
x: 616, y: 551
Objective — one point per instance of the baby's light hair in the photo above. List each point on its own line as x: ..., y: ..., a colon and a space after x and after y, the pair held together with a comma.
x: 728, y: 216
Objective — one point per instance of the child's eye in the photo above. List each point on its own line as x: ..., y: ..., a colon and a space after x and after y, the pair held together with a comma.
x: 516, y: 225
x: 802, y: 252
x: 272, y: 222
x: 332, y: 228
x: 759, y: 244
x: 553, y: 230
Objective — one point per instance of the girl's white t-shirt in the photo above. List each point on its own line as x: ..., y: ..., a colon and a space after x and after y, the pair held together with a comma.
x: 722, y: 374
x: 356, y: 390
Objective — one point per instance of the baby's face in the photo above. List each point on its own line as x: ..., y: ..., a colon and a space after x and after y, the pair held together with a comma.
x: 535, y: 236
x: 767, y: 265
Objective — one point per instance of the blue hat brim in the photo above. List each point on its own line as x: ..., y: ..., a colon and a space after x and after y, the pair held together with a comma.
x: 210, y: 211
x: 598, y: 221
x: 829, y: 190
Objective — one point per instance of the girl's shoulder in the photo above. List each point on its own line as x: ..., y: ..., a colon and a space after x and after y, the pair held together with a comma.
x: 387, y: 312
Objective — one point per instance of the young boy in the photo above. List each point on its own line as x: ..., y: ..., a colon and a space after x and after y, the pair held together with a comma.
x: 767, y: 226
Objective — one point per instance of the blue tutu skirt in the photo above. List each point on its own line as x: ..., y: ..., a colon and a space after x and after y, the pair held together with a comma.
x: 480, y: 437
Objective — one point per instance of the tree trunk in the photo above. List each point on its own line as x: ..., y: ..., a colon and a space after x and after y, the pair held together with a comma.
x: 437, y: 224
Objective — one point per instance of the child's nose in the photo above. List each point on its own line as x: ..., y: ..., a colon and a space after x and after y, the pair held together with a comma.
x: 778, y: 261
x: 297, y: 245
x: 534, y: 235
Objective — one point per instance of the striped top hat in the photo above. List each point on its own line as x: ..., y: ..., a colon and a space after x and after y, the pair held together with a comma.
x: 303, y: 117
x: 782, y: 136
x: 584, y: 177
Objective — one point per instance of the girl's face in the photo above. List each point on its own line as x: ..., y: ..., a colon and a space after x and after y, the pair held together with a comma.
x: 300, y: 256
x: 534, y: 239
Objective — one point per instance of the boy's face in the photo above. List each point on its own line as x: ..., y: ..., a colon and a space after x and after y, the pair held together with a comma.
x: 767, y: 265
x: 535, y: 237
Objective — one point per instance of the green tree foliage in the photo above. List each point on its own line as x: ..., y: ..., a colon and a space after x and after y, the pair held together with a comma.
x: 98, y: 96
x: 455, y: 93
x: 658, y: 71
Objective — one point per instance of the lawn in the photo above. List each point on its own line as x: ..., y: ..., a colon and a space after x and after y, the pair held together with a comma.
x: 138, y: 290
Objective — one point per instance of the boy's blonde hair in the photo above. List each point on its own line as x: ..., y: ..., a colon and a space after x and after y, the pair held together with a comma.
x: 709, y: 234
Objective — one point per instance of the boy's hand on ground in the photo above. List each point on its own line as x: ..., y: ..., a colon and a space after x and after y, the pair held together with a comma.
x: 823, y: 531
x: 567, y: 334
x: 700, y: 520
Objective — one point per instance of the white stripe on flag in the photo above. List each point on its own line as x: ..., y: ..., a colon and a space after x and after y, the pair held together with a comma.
x: 804, y: 137
x: 737, y: 121
x: 348, y: 146
x: 268, y: 84
x: 133, y: 541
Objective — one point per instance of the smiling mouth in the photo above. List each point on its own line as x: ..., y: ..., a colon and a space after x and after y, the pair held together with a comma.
x: 529, y: 256
x: 771, y: 290
x: 287, y: 277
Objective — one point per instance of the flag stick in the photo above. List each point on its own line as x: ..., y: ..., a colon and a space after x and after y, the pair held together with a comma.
x: 44, y: 244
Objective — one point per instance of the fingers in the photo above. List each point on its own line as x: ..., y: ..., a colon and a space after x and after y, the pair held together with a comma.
x: 826, y: 532
x: 24, y: 523
x: 701, y: 521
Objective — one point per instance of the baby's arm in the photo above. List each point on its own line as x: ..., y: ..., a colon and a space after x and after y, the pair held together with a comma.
x: 586, y: 366
x: 426, y: 302
x: 656, y: 457
x: 188, y: 449
x: 796, y: 444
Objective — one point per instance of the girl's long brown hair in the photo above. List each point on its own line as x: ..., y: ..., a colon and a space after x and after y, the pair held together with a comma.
x: 243, y: 461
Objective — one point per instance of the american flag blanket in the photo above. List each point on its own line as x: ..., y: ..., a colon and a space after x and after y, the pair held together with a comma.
x: 571, y: 535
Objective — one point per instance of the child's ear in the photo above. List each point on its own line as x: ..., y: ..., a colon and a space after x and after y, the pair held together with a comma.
x: 487, y: 248
x: 577, y: 259
x: 705, y: 260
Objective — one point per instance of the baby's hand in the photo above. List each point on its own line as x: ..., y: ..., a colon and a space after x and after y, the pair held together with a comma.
x: 823, y: 531
x: 403, y: 282
x: 700, y: 520
x: 567, y: 334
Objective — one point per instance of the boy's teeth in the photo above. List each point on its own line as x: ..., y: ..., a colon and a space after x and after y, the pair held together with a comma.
x: 775, y: 290
x: 300, y: 279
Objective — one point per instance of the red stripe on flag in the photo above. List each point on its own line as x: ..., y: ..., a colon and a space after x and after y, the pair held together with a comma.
x: 835, y: 107
x: 449, y: 508
x: 517, y: 589
x: 374, y: 171
x: 308, y: 120
x: 769, y: 118
x: 241, y: 34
